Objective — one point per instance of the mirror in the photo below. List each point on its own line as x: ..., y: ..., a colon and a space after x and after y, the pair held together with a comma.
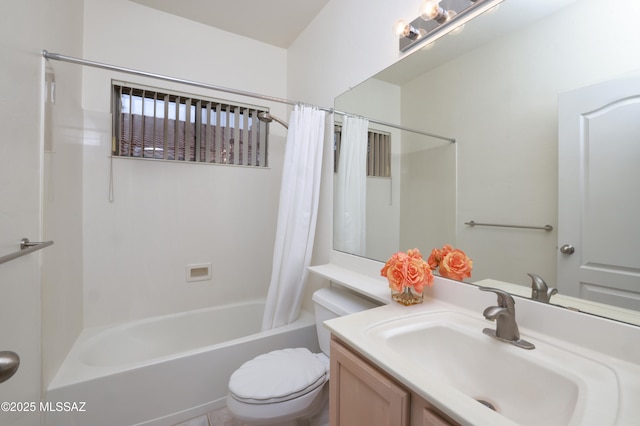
x: 493, y: 87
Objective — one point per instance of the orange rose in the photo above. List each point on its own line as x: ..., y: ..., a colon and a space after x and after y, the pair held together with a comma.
x: 434, y: 259
x: 407, y: 270
x: 437, y: 255
x: 456, y: 265
x: 418, y: 274
x: 394, y: 270
x: 414, y: 253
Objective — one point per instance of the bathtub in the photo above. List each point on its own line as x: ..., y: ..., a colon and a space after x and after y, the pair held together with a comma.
x: 164, y: 370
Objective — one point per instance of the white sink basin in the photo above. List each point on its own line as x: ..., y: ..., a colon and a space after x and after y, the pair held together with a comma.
x: 544, y: 386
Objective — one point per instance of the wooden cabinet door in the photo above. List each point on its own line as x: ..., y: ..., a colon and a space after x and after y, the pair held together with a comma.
x: 429, y: 418
x: 362, y: 395
x: 424, y: 414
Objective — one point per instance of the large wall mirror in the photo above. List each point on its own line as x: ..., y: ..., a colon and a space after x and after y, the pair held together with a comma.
x: 496, y: 88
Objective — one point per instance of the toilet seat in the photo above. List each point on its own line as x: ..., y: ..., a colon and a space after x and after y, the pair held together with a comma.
x: 278, y: 376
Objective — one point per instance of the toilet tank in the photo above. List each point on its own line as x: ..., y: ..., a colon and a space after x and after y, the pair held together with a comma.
x: 333, y: 302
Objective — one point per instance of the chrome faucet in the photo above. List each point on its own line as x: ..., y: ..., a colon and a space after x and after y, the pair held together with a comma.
x: 505, y: 316
x: 539, y: 289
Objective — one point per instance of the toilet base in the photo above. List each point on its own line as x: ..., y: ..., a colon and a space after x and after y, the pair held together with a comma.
x: 315, y: 413
x: 322, y: 417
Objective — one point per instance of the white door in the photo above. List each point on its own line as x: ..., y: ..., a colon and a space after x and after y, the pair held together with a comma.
x: 599, y: 193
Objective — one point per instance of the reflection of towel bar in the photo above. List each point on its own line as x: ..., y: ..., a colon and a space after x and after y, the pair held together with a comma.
x: 545, y: 228
x: 26, y: 247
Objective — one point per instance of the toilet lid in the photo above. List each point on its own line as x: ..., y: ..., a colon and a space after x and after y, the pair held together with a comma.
x: 278, y: 376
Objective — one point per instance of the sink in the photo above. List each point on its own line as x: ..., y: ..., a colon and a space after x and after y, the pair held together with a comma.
x: 546, y: 386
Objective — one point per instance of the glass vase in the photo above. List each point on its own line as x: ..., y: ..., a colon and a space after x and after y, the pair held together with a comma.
x: 407, y: 296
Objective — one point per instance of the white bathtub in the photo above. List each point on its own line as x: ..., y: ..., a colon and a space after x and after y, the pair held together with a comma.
x: 163, y: 370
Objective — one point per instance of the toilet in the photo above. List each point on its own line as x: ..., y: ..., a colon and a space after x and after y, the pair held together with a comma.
x: 291, y: 386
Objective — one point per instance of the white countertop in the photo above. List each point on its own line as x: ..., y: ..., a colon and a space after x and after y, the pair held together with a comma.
x: 613, y: 343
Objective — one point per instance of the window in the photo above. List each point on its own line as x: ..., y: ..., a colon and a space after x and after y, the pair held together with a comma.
x: 152, y: 124
x: 378, y: 152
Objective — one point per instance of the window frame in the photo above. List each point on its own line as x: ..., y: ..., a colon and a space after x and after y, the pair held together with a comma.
x: 191, y: 128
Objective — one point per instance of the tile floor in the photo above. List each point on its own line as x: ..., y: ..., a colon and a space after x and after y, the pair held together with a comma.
x: 221, y: 417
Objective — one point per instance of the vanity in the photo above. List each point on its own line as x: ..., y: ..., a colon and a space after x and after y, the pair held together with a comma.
x: 431, y: 364
x: 361, y: 393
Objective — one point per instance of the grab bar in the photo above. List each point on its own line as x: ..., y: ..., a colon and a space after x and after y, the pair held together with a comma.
x: 547, y: 228
x: 26, y: 247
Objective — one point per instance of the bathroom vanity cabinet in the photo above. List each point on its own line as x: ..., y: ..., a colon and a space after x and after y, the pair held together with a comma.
x: 360, y: 393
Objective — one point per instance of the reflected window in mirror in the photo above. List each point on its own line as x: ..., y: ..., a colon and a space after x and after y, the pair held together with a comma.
x: 378, y: 152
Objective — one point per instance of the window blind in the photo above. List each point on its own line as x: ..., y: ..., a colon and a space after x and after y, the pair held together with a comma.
x: 154, y: 124
x: 378, y: 152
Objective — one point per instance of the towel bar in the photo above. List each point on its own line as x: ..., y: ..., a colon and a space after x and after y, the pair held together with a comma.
x: 26, y: 247
x: 547, y: 228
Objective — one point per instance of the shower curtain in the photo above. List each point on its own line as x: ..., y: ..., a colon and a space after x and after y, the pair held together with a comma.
x: 297, y: 214
x: 351, y: 188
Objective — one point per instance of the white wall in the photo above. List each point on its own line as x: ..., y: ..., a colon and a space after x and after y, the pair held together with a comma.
x: 428, y: 212
x: 166, y: 216
x: 28, y: 28
x: 348, y: 42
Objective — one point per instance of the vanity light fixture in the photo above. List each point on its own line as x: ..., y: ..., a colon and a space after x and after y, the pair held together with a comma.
x: 439, y: 17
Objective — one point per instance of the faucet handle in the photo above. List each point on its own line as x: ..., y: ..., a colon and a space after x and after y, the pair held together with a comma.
x: 504, y: 299
x: 539, y: 289
x: 505, y: 316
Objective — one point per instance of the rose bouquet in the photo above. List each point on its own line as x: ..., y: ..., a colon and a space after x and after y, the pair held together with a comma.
x: 452, y: 263
x: 407, y: 274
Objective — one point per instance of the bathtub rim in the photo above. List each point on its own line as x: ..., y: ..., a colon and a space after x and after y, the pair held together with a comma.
x: 96, y: 336
x: 73, y: 370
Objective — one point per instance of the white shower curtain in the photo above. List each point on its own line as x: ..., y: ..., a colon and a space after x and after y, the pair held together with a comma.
x: 350, y: 220
x: 297, y: 214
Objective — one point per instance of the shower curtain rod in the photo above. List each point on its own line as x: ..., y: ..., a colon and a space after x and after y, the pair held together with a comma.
x: 64, y: 58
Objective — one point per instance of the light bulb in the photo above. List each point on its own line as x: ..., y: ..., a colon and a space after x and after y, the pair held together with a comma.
x: 430, y: 9
x: 399, y: 27
x: 402, y: 29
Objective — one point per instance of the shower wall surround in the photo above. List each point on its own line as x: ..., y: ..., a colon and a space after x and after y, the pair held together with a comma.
x: 62, y: 211
x: 166, y: 216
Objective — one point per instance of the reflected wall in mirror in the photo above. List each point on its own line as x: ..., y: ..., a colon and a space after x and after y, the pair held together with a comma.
x: 420, y: 190
x: 494, y: 88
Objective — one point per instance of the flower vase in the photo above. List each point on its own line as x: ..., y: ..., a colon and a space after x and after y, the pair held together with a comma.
x: 407, y: 296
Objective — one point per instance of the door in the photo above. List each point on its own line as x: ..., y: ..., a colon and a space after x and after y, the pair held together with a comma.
x: 599, y: 193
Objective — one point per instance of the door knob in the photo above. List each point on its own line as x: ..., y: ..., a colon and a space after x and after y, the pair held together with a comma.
x: 567, y: 249
x: 9, y: 362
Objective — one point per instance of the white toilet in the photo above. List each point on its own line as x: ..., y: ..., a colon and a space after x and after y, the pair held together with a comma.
x: 290, y: 386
